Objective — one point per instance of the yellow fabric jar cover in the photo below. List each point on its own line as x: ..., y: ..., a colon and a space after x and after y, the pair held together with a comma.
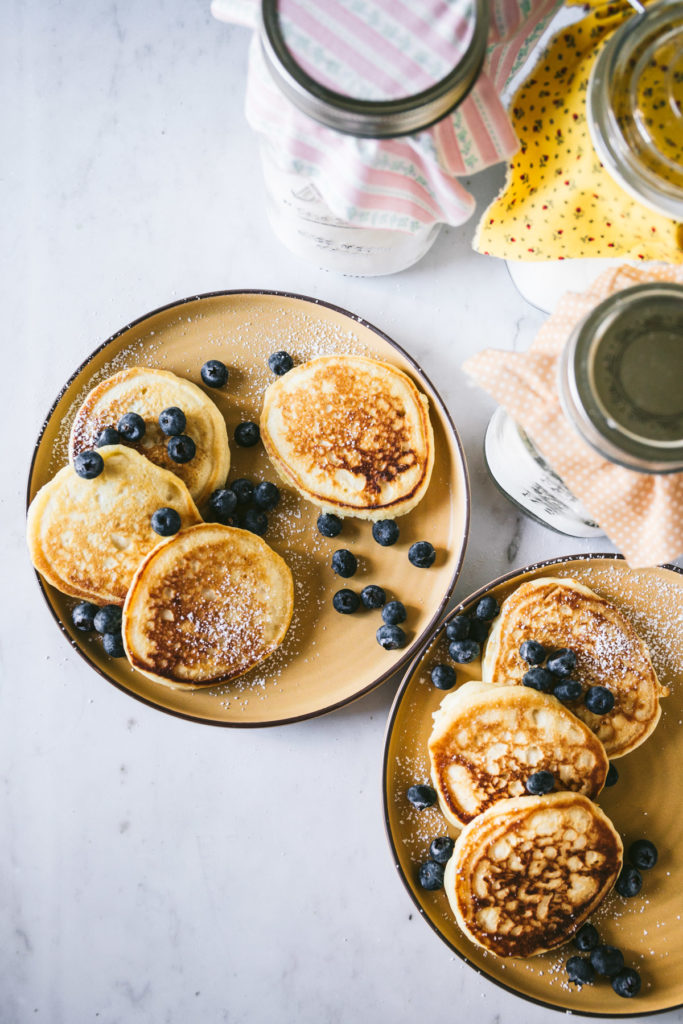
x: 558, y: 201
x: 641, y: 513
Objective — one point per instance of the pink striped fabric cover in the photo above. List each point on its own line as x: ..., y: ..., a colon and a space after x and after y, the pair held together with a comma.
x: 373, y: 47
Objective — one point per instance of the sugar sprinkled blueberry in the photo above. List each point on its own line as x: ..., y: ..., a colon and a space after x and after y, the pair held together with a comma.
x: 580, y: 970
x: 441, y: 849
x: 346, y: 601
x: 539, y: 678
x: 223, y: 503
x: 131, y: 426
x: 464, y: 651
x: 385, y: 532
x: 108, y: 619
x: 394, y: 612
x: 568, y: 690
x: 344, y: 563
x: 329, y: 525
x: 421, y: 796
x: 280, y: 362
x: 586, y: 938
x: 562, y: 663
x: 643, y: 854
x: 166, y: 522
x: 607, y: 960
x: 243, y: 489
x: 247, y: 434
x: 443, y: 677
x: 532, y: 652
x: 109, y: 435
x: 626, y: 983
x: 421, y: 554
x: 88, y: 464
x: 172, y: 421
x: 256, y: 521
x: 458, y: 628
x: 391, y: 637
x: 266, y: 495
x: 430, y: 875
x: 214, y: 373
x: 113, y: 644
x: 630, y: 882
x: 540, y: 783
x: 599, y: 700
x: 83, y: 616
x: 181, y: 448
x: 486, y: 608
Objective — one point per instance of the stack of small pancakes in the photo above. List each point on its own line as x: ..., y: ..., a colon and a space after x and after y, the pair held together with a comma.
x: 351, y: 434
x: 527, y: 870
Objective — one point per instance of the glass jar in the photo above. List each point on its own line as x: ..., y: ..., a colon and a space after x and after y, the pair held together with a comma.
x: 298, y: 51
x: 619, y: 382
x: 635, y: 107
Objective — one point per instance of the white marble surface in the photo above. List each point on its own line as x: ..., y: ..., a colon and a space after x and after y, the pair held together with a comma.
x: 156, y: 870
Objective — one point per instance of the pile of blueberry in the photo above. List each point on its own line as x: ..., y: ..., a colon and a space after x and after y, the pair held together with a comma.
x: 555, y: 677
x: 245, y: 504
x: 106, y: 621
x: 465, y: 634
x: 385, y: 532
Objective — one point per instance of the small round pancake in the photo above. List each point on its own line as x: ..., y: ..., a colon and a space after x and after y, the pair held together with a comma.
x: 528, y: 872
x: 87, y: 537
x: 351, y: 434
x: 206, y: 606
x: 564, y: 613
x: 148, y: 392
x: 487, y: 740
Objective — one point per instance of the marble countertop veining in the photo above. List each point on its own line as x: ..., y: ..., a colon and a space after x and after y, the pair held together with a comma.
x: 157, y: 870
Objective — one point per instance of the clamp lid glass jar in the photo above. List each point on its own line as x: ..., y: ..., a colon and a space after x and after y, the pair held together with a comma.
x: 621, y: 377
x: 635, y: 107
x: 345, y: 65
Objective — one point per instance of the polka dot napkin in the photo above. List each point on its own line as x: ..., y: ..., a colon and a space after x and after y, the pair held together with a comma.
x: 559, y: 201
x: 641, y: 513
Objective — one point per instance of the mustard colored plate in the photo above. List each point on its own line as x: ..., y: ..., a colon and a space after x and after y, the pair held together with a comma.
x: 326, y: 659
x: 644, y: 803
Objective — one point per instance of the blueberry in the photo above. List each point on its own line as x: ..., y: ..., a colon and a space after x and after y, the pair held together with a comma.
x: 599, y: 700
x: 421, y: 554
x: 373, y: 596
x: 181, y: 448
x: 394, y: 612
x: 562, y: 663
x: 430, y: 875
x: 243, y: 490
x: 458, y: 628
x: 346, y: 602
x: 266, y: 495
x: 540, y: 783
x: 487, y: 608
x: 172, y: 420
x: 567, y: 690
x: 256, y: 521
x: 329, y: 525
x: 108, y: 619
x: 626, y: 983
x: 223, y: 503
x: 612, y: 775
x: 391, y: 637
x: 131, y: 426
x: 532, y: 652
x: 607, y: 960
x: 280, y: 363
x: 479, y: 630
x: 166, y: 522
x: 214, y: 373
x: 443, y: 677
x: 464, y: 651
x: 643, y: 854
x: 421, y: 796
x: 630, y: 882
x: 441, y: 849
x: 88, y: 464
x: 539, y: 679
x: 385, y: 532
x: 109, y: 435
x: 580, y: 970
x: 247, y: 434
x: 113, y: 644
x: 344, y: 563
x: 586, y: 938
x: 83, y: 616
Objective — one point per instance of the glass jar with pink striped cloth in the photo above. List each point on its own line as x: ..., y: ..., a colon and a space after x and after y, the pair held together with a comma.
x: 368, y: 112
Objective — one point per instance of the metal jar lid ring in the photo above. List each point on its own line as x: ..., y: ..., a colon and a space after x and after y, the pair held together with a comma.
x: 371, y: 118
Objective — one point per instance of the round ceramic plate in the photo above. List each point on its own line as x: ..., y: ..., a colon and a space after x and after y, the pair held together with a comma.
x: 326, y: 659
x: 644, y: 803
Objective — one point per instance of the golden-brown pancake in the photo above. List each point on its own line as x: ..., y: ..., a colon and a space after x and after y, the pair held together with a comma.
x: 563, y: 613
x: 206, y: 606
x: 87, y: 537
x: 352, y: 434
x: 148, y: 392
x: 527, y: 873
x: 487, y: 740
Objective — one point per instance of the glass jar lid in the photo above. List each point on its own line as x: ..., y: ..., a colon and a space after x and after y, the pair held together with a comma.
x: 635, y: 107
x: 375, y: 68
x: 621, y: 377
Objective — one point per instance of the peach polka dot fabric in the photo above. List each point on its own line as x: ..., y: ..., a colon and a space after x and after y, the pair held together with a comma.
x: 558, y: 201
x: 641, y: 513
